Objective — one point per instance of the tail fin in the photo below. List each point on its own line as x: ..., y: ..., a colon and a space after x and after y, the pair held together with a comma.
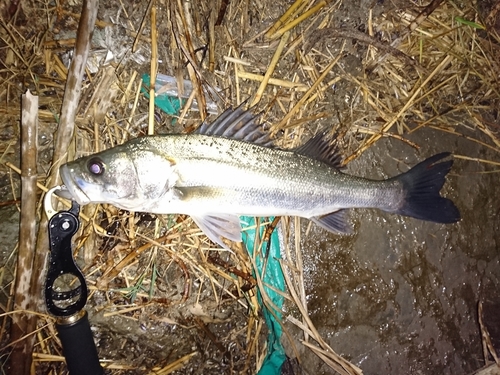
x: 422, y: 184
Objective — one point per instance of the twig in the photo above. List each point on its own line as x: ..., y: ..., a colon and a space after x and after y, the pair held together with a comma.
x: 141, y: 27
x: 193, y: 70
x: 177, y: 364
x: 334, y: 32
x: 111, y: 273
x: 488, y: 347
x: 339, y: 364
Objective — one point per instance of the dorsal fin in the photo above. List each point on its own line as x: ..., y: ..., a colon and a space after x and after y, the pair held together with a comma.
x: 237, y: 124
x: 320, y: 148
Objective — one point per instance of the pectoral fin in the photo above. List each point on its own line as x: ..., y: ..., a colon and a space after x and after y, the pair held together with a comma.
x: 334, y: 222
x: 220, y: 226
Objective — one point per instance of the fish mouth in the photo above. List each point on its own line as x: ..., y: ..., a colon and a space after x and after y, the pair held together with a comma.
x: 73, y: 190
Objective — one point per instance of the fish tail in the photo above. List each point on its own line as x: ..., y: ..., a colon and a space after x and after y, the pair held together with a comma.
x: 421, y: 186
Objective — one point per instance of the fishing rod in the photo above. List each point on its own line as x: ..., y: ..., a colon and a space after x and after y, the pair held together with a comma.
x: 66, y: 292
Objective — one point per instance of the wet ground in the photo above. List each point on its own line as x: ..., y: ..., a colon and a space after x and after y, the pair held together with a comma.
x: 398, y: 296
x: 401, y: 295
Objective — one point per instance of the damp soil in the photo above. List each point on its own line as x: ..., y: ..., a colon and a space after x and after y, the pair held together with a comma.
x: 401, y: 295
x: 398, y: 296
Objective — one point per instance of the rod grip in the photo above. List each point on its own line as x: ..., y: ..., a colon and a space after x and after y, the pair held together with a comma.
x: 78, y: 346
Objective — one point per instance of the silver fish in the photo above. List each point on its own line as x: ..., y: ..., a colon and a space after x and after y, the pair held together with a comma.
x: 228, y: 168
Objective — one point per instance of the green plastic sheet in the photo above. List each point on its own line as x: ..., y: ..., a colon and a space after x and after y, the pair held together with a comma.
x: 273, y: 277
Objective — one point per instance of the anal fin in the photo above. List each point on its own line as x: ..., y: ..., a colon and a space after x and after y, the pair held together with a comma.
x: 334, y: 222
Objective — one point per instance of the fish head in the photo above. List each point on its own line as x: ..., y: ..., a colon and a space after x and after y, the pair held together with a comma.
x: 129, y: 176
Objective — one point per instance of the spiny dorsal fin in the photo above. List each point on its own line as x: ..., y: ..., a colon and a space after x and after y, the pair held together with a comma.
x: 237, y: 124
x: 320, y: 148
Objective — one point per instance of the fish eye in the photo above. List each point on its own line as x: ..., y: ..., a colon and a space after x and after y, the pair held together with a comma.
x: 95, y: 166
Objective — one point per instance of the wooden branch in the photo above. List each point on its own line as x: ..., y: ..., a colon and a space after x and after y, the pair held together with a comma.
x: 27, y: 232
x: 63, y: 138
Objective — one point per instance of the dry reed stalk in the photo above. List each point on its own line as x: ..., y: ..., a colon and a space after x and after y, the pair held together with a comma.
x: 293, y: 274
x: 187, y: 106
x: 176, y: 365
x: 363, y: 130
x: 104, y: 90
x: 386, y: 127
x: 154, y: 67
x: 141, y: 26
x: 435, y: 37
x: 211, y: 41
x: 304, y: 97
x: 488, y: 348
x: 272, y: 81
x: 253, y: 351
x: 113, y: 272
x: 236, y: 60
x: 479, y: 160
x: 298, y: 20
x: 324, y: 351
x: 98, y: 23
x: 133, y: 110
x: 184, y: 42
x: 383, y: 95
x: 412, y: 26
x: 319, y: 92
x: 27, y: 232
x: 270, y: 69
x: 293, y: 9
x: 30, y: 334
x: 487, y: 370
x: 63, y: 138
x: 174, y: 251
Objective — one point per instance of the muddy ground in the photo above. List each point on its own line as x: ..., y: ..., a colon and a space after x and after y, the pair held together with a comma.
x: 399, y: 296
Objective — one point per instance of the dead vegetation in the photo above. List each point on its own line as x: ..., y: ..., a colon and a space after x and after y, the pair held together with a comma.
x: 389, y: 74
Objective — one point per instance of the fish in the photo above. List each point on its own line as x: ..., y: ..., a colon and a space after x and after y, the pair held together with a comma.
x: 230, y: 168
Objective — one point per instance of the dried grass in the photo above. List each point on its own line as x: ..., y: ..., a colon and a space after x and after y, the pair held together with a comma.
x: 430, y: 71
